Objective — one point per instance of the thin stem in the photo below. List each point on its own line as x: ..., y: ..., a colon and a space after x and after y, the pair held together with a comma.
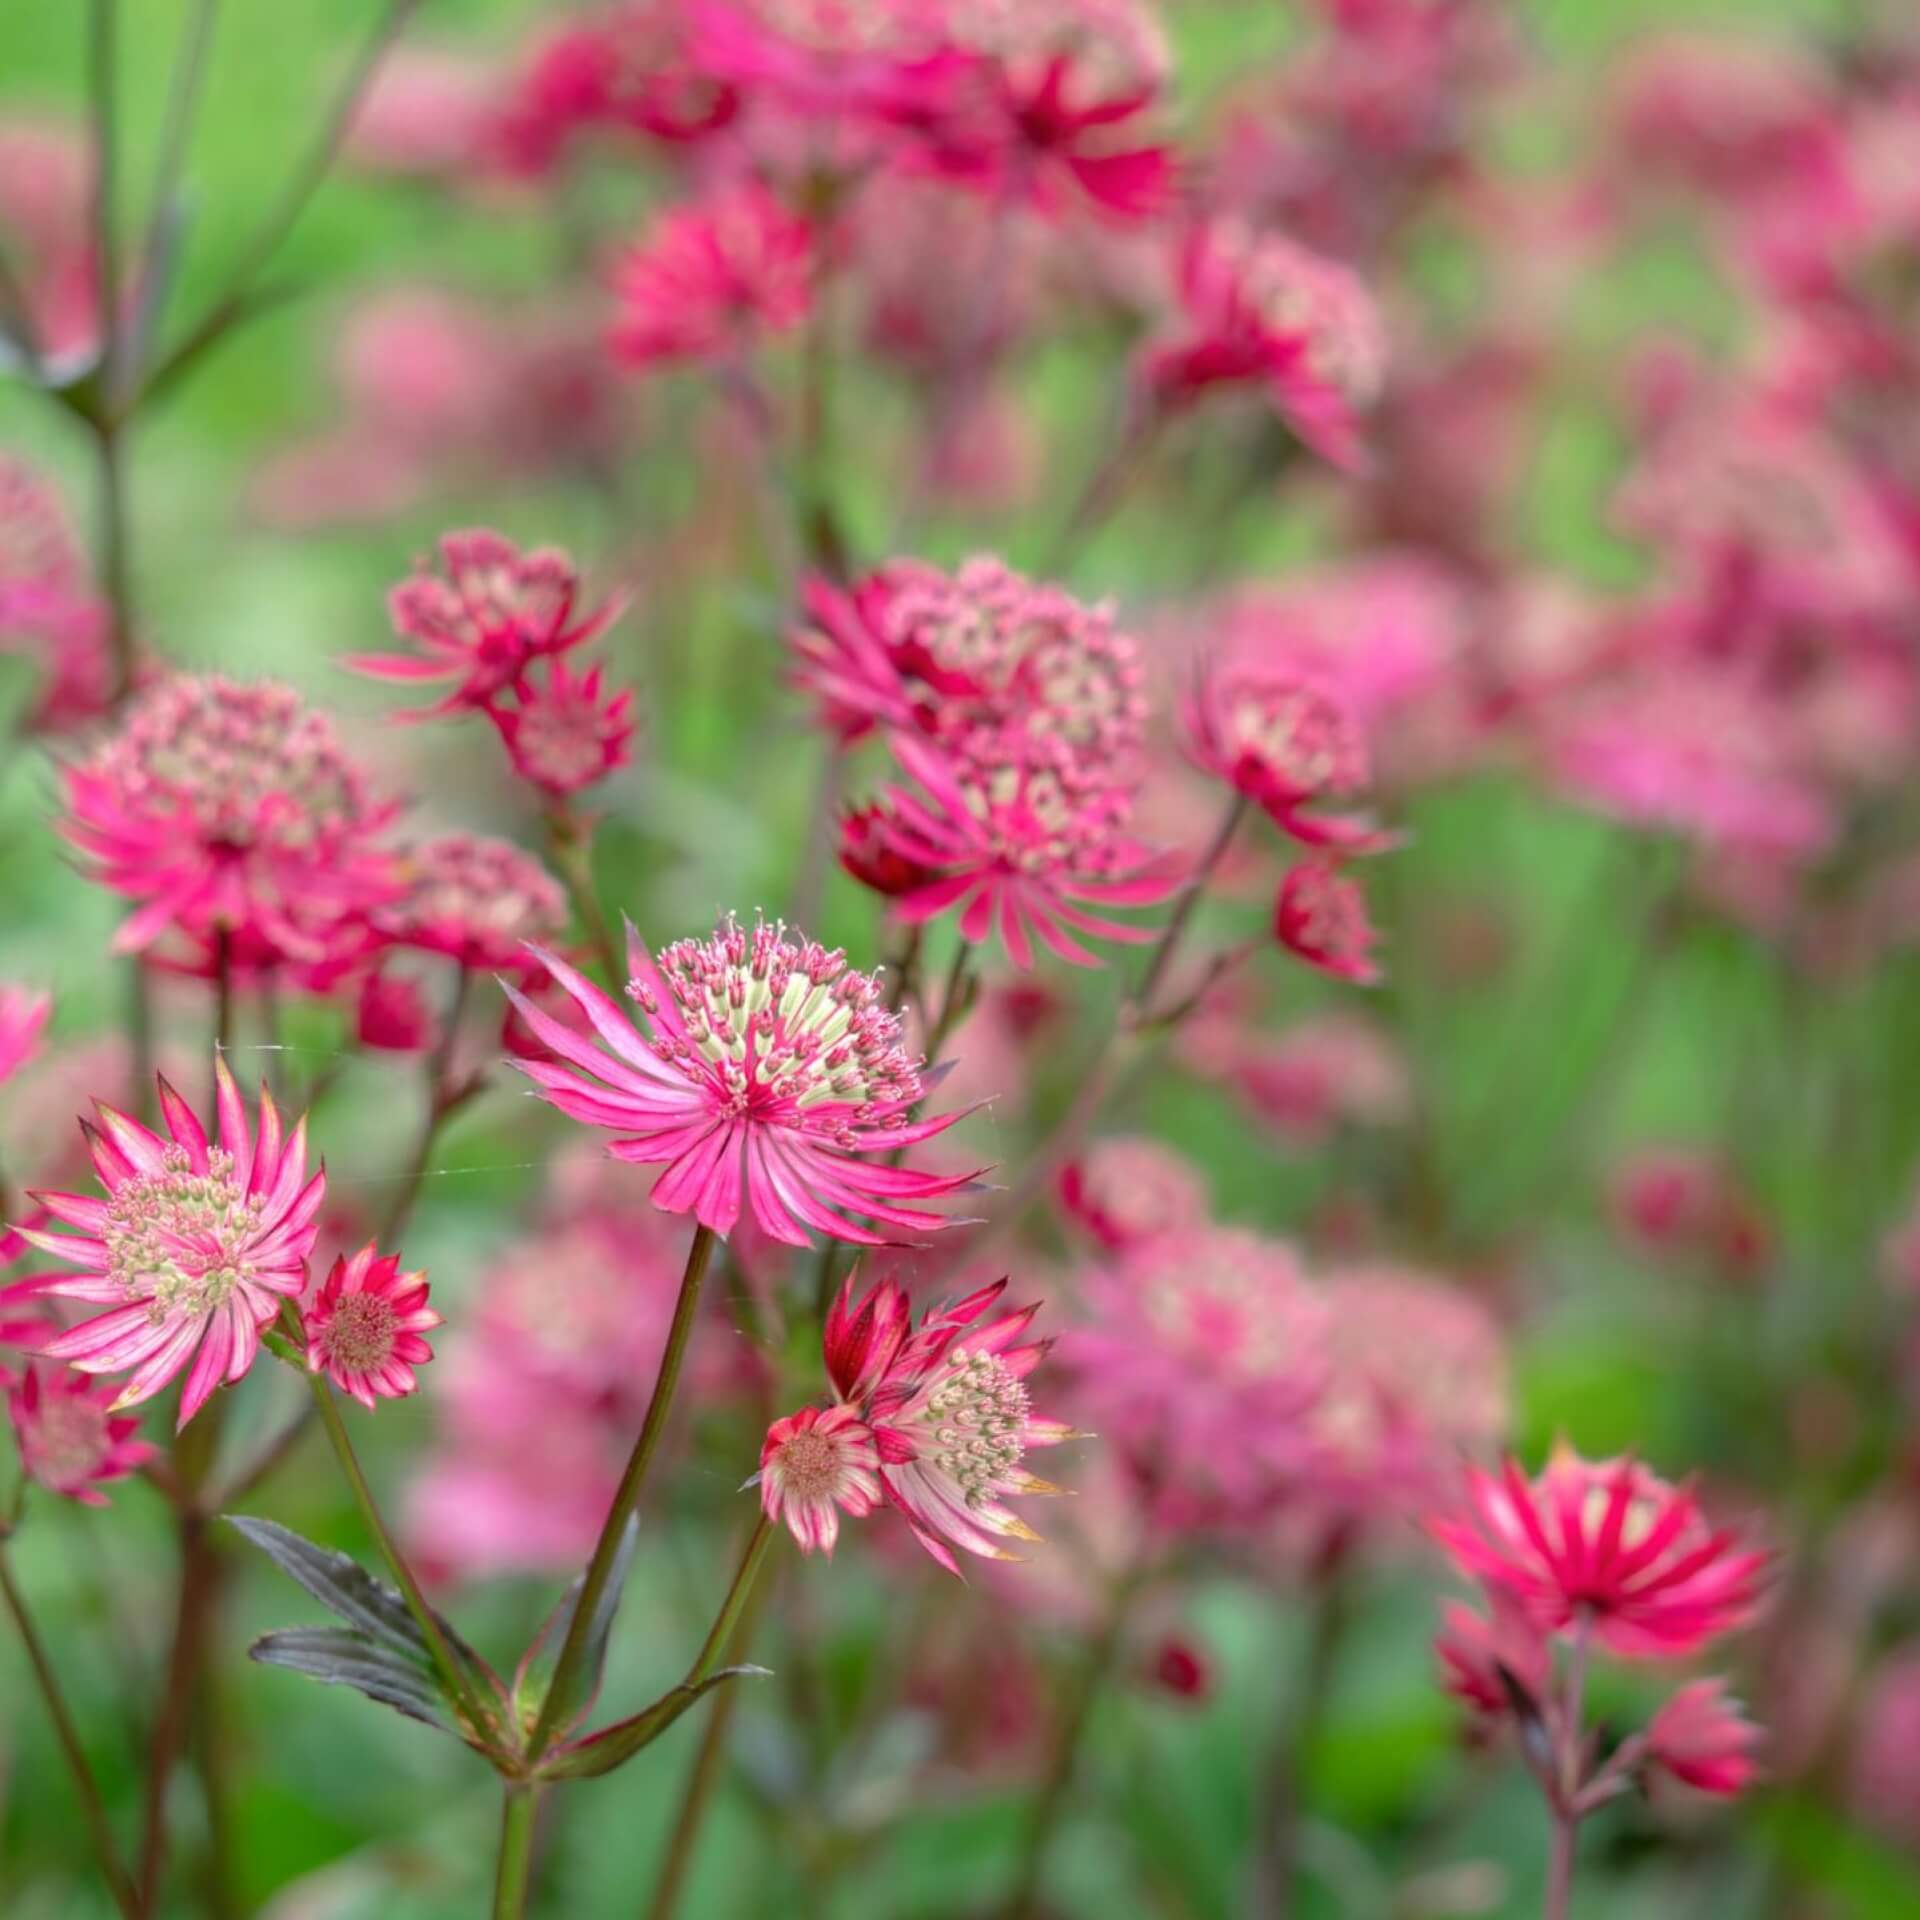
x: 816, y: 856
x: 194, y: 1605
x: 105, y: 1847
x: 704, y: 1775
x: 517, y: 1809
x: 183, y: 98
x: 1570, y: 1757
x: 954, y: 998
x: 103, y: 91
x: 572, y: 849
x: 627, y: 1495
x: 444, y: 1100
x: 1566, y: 1828
x: 734, y: 1606
x: 1162, y: 956
x: 453, y: 1676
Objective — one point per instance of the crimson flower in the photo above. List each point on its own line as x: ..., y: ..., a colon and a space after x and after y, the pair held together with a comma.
x: 814, y: 1464
x: 1703, y: 1740
x: 768, y: 1075
x: 71, y: 1441
x: 483, y: 620
x: 1606, y: 1543
x: 948, y: 1411
x: 712, y: 278
x: 196, y: 1244
x: 364, y: 1326
x: 1320, y: 916
x: 567, y: 733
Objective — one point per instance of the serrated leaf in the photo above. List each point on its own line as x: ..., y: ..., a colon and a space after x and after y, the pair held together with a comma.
x: 535, y: 1672
x: 344, y: 1657
x: 614, y: 1746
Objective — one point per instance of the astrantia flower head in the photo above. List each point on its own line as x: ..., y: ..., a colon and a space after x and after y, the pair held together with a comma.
x: 1320, y: 916
x: 713, y: 279
x: 567, y: 732
x: 196, y: 1244
x: 364, y: 1326
x: 1127, y: 1189
x: 1261, y: 308
x: 23, y: 1017
x: 1703, y: 1740
x: 948, y: 1409
x: 229, y: 809
x: 815, y: 1464
x: 765, y: 1074
x: 1610, y: 1544
x: 1484, y: 1657
x: 71, y: 1441
x: 483, y: 619
x: 475, y: 899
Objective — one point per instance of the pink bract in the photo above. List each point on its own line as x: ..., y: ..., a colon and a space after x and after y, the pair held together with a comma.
x: 1320, y: 916
x: 71, y: 1441
x: 1702, y: 1738
x: 814, y: 1464
x: 1609, y: 1544
x: 364, y: 1326
x: 766, y: 1075
x: 195, y: 1245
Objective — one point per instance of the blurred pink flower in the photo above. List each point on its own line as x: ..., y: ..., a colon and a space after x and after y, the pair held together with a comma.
x: 23, y: 1018
x: 392, y: 1015
x: 477, y: 900
x: 1701, y: 1737
x: 71, y: 1441
x: 231, y: 810
x: 869, y: 62
x: 1480, y: 1653
x: 199, y: 1242
x: 813, y: 1464
x: 364, y: 1326
x: 1126, y: 1189
x: 713, y: 279
x: 764, y: 1076
x: 566, y: 733
x: 1320, y: 916
x: 426, y: 112
x: 1317, y: 1075
x: 1610, y: 1544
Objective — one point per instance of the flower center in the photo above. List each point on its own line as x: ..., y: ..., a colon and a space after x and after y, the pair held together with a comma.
x: 811, y: 1466
x: 180, y: 1240
x: 66, y: 1441
x: 360, y: 1334
x: 1303, y: 736
x: 976, y: 1422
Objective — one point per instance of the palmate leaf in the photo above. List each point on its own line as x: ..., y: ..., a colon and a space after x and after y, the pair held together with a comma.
x: 380, y: 1651
x: 614, y: 1746
x: 535, y: 1673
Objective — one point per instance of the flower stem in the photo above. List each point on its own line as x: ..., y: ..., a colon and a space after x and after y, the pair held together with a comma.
x: 453, y: 1677
x: 627, y: 1496
x: 1560, y: 1867
x: 704, y: 1774
x: 517, y: 1808
x: 1564, y: 1799
x: 94, y: 1808
x: 1162, y: 956
x: 444, y: 1100
x: 572, y: 848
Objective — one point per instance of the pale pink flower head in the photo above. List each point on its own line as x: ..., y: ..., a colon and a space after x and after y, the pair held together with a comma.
x: 763, y: 1074
x: 1320, y: 916
x: 365, y: 1326
x: 815, y: 1464
x: 1608, y: 1544
x: 712, y: 280
x: 70, y: 1439
x: 483, y: 619
x: 230, y: 810
x: 1015, y: 848
x: 948, y: 1408
x: 567, y: 732
x: 195, y: 1246
x: 1260, y: 309
x: 476, y: 900
x: 1702, y: 1739
x: 23, y: 1018
x: 1127, y: 1189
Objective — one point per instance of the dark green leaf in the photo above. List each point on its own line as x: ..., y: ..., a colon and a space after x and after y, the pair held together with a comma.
x: 614, y: 1746
x: 343, y: 1657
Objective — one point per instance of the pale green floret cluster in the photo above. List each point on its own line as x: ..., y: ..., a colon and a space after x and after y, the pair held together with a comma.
x: 178, y: 1240
x: 977, y: 1423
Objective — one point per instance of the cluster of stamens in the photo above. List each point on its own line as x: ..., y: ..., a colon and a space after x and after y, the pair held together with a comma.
x: 811, y: 1465
x: 359, y: 1332
x: 179, y: 1240
x: 66, y: 1439
x: 496, y: 603
x: 1307, y: 739
x: 1323, y: 305
x: 975, y: 1423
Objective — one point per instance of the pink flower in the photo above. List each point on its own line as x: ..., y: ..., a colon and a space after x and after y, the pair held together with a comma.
x: 830, y: 62
x: 1610, y: 1544
x: 1017, y: 848
x: 1702, y: 1738
x: 23, y: 1017
x: 712, y: 279
x: 71, y: 1441
x: 764, y: 1077
x: 1481, y: 1653
x: 1285, y: 742
x: 364, y: 1326
x: 948, y: 1410
x: 197, y: 1242
x: 1261, y: 309
x: 474, y: 899
x: 1124, y: 1190
x: 813, y: 1464
x: 392, y: 1015
x: 568, y: 733
x: 227, y: 809
x: 484, y: 621
x: 1320, y: 916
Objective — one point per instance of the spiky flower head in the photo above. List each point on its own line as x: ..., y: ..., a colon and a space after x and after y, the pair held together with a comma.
x: 196, y: 1244
x: 567, y: 732
x: 814, y: 1465
x: 1609, y: 1544
x: 1320, y: 916
x: 1703, y: 1739
x: 483, y: 618
x: 764, y: 1073
x: 475, y: 899
x: 71, y: 1441
x: 230, y: 810
x: 364, y: 1326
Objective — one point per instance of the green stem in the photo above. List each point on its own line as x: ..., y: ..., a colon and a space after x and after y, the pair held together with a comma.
x: 627, y: 1495
x: 517, y: 1809
x: 733, y: 1606
x: 453, y: 1678
x: 183, y: 98
x: 444, y: 1100
x: 106, y: 1849
x: 1171, y: 934
x: 572, y: 850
